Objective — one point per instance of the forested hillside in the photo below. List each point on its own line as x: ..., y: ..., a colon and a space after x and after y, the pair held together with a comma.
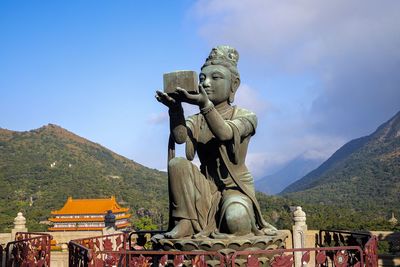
x: 363, y: 175
x: 39, y: 169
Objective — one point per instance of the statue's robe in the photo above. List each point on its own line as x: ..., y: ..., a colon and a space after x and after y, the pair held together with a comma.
x: 204, y: 195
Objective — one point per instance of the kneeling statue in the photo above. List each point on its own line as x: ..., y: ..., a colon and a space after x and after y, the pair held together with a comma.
x: 218, y: 200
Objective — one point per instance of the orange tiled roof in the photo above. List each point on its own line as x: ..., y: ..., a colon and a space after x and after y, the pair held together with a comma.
x: 90, y: 206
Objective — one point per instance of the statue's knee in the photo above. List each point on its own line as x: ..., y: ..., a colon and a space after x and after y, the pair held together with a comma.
x: 177, y: 166
x: 238, y: 219
x: 177, y: 163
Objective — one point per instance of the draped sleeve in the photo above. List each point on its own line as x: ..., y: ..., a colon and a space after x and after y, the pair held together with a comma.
x: 193, y: 132
x: 243, y: 125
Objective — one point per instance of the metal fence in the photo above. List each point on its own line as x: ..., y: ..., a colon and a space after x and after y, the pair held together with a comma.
x: 367, y: 243
x: 28, y: 249
x: 121, y: 250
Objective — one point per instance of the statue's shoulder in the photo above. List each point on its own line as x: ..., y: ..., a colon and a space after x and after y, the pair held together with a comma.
x: 246, y: 115
x: 242, y: 112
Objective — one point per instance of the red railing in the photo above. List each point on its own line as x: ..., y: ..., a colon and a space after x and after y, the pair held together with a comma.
x: 114, y: 250
x: 28, y: 249
x: 365, y: 241
x: 371, y: 252
x: 89, y: 251
x: 275, y: 258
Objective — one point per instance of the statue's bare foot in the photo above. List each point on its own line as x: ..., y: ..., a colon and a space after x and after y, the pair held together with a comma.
x: 202, y: 234
x: 182, y: 229
x: 270, y: 230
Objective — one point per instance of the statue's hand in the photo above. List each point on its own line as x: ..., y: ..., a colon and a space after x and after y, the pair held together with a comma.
x: 200, y: 99
x: 167, y: 100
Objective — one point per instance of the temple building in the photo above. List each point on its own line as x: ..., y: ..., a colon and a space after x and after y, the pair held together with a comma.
x: 88, y: 215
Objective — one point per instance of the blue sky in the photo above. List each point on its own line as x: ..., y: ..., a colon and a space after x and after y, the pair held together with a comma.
x: 317, y: 73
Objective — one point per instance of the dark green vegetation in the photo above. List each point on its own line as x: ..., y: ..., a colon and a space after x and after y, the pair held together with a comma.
x: 82, y: 169
x: 362, y: 177
x: 277, y: 210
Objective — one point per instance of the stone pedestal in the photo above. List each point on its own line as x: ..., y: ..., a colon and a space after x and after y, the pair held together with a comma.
x: 227, y: 247
x: 299, y: 231
x: 109, y: 231
x: 19, y: 225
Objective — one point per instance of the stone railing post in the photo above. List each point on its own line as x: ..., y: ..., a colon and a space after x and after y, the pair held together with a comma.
x: 19, y: 225
x: 299, y: 232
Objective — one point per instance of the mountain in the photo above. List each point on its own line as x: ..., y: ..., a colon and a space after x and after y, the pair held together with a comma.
x: 39, y: 169
x: 364, y: 174
x: 291, y: 172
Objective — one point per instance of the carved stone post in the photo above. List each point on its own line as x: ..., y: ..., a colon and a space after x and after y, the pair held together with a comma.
x: 19, y: 225
x: 299, y: 232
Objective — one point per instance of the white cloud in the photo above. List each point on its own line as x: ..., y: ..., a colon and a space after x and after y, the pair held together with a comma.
x: 251, y: 99
x: 316, y: 146
x: 301, y: 32
x: 349, y: 47
x: 287, y: 141
x: 256, y: 163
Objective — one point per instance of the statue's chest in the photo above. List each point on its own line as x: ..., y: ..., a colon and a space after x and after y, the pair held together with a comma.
x: 205, y: 134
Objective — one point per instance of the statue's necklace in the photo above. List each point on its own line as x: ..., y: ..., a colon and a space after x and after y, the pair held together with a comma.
x: 225, y: 112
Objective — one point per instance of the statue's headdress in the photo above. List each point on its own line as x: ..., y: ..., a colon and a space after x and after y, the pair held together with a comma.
x: 224, y: 55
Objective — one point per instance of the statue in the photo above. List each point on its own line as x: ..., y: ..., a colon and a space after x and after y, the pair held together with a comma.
x: 218, y: 200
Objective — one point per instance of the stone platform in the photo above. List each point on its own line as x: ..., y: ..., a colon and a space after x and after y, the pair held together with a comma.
x: 226, y: 247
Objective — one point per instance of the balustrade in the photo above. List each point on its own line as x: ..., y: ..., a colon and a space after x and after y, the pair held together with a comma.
x: 353, y: 249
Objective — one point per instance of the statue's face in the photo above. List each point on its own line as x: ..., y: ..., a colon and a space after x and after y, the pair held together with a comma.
x: 216, y: 81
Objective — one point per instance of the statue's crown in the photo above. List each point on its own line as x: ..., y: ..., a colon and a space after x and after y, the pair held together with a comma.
x: 224, y: 53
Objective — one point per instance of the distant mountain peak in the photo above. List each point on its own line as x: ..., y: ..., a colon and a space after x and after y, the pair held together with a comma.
x: 54, y: 129
x: 362, y: 174
x: 293, y: 170
x: 50, y: 127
